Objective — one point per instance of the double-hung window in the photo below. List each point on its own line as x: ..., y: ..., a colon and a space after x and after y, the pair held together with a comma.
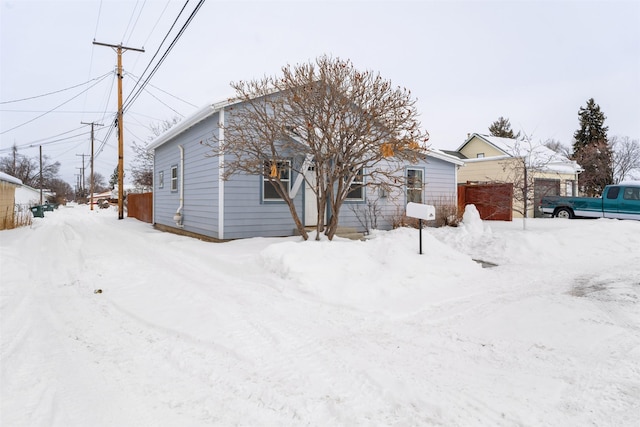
x: 414, y: 185
x: 174, y: 178
x: 277, y: 169
x: 356, y: 189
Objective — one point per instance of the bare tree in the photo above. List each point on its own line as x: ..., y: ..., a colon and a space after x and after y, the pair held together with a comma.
x: 27, y: 169
x: 99, y: 183
x: 558, y: 147
x: 352, y: 126
x: 626, y: 158
x: 529, y: 160
x: 61, y: 190
x: 142, y: 165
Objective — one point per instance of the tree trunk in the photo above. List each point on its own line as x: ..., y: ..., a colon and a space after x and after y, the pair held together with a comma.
x: 296, y: 220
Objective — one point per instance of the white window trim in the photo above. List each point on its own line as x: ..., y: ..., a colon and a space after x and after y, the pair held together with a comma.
x: 174, y: 179
x: 421, y: 188
x: 357, y: 199
x: 265, y: 180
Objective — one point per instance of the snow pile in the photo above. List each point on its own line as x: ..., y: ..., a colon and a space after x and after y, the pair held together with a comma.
x: 365, y: 274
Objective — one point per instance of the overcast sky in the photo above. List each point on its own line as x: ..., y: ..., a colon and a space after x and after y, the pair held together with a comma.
x: 467, y: 63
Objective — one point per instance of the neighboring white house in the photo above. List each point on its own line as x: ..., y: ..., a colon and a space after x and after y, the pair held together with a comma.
x: 27, y: 197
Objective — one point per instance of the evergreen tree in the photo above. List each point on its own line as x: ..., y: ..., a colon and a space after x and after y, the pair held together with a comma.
x: 502, y: 128
x: 113, y: 181
x: 592, y: 151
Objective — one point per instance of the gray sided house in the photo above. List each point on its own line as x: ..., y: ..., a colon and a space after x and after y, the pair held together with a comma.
x: 190, y: 196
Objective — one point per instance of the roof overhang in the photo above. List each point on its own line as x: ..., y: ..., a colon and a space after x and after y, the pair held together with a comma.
x: 192, y: 120
x: 437, y: 154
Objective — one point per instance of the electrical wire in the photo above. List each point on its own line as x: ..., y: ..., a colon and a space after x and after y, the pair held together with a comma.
x: 53, y: 109
x: 160, y: 101
x: 93, y: 48
x: 57, y: 112
x: 54, y: 92
x: 156, y: 24
x: 137, y: 18
x: 164, y: 91
x: 159, y: 47
x: 46, y: 141
x: 130, y: 18
x: 95, y: 34
x: 133, y: 96
x: 108, y: 97
x: 164, y: 56
x: 163, y: 103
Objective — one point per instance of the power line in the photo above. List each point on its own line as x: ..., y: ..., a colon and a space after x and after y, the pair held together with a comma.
x: 164, y: 56
x: 158, y: 21
x: 54, y: 108
x: 137, y: 18
x: 95, y: 33
x: 158, y: 50
x: 57, y: 91
x: 163, y: 103
x: 47, y: 140
x: 164, y: 91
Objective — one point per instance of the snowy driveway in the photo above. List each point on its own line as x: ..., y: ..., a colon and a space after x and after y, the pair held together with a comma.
x: 282, y: 332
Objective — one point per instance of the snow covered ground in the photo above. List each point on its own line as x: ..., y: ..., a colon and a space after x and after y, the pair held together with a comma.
x: 276, y: 332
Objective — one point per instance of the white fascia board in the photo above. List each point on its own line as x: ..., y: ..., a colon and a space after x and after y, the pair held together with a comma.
x: 486, y: 159
x: 466, y: 141
x: 185, y: 124
x: 192, y: 120
x: 444, y: 157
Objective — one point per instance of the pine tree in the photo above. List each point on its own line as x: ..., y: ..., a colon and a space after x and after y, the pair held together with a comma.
x: 113, y: 181
x: 592, y: 151
x: 502, y: 128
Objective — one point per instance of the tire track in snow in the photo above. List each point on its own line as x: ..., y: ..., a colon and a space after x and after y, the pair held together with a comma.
x: 614, y: 387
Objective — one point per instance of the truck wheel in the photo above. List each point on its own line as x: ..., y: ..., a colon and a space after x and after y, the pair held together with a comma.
x: 564, y: 213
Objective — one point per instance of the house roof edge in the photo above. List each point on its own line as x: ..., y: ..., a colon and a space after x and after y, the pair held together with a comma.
x: 438, y: 154
x: 192, y: 120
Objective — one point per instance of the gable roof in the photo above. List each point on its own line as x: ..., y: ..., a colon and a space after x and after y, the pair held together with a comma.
x: 539, y: 154
x: 501, y: 144
x: 209, y: 110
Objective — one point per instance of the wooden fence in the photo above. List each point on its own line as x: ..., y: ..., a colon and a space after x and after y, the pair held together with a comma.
x: 493, y: 201
x: 140, y: 206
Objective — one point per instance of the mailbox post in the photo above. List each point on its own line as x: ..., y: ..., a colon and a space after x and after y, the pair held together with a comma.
x: 421, y: 211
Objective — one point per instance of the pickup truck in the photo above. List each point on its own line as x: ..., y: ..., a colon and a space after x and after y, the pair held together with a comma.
x: 620, y: 201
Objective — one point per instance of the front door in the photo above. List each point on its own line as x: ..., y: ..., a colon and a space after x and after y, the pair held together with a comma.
x: 310, y: 200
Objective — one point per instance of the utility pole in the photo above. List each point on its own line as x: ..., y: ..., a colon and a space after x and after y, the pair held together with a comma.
x: 80, y: 185
x: 83, y: 183
x: 119, y: 49
x: 41, y: 175
x: 77, y: 185
x: 91, y: 181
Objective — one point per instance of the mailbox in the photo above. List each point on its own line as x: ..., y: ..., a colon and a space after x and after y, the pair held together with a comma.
x: 420, y: 211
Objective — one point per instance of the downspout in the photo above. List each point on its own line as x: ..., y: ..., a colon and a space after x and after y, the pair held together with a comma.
x: 178, y: 216
x: 221, y: 175
x: 153, y: 190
